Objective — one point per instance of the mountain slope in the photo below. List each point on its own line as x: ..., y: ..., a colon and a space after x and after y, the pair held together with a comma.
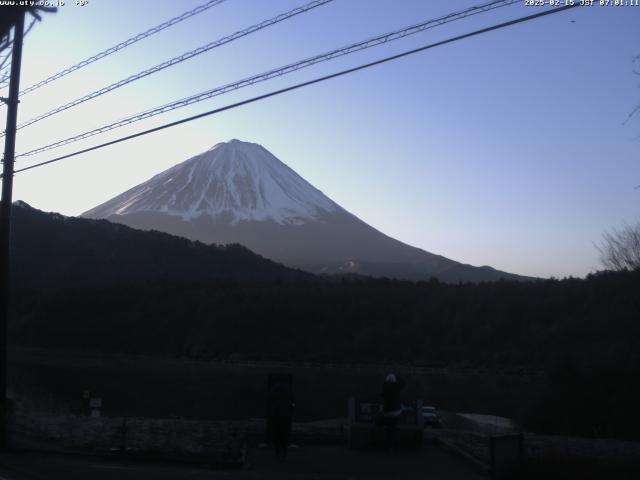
x: 51, y: 251
x: 238, y: 192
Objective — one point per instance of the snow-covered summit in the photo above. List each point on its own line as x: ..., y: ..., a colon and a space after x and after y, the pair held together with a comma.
x: 232, y: 180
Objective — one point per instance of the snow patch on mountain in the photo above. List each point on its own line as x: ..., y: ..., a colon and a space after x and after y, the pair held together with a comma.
x: 237, y: 180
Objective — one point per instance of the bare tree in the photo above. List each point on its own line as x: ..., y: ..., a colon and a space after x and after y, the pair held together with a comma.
x: 620, y: 248
x: 636, y: 109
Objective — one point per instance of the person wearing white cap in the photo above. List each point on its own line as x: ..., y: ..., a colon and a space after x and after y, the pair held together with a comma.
x: 391, y: 407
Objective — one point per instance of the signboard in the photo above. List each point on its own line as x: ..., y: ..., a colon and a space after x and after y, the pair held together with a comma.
x: 275, y: 378
x: 366, y: 411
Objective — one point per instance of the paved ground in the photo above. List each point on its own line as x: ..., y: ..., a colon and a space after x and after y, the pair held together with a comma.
x: 306, y: 463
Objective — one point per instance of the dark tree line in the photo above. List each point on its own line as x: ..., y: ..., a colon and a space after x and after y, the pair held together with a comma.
x: 93, y: 285
x: 582, y: 333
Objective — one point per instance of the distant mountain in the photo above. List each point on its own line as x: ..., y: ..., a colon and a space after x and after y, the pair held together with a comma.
x: 51, y: 251
x: 238, y: 192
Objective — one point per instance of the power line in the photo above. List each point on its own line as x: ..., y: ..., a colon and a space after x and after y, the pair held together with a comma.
x: 305, y: 84
x: 180, y: 58
x: 10, y: 52
x: 4, y: 79
x: 4, y: 69
x: 5, y: 41
x: 126, y: 43
x: 5, y: 59
x: 372, y: 42
x: 4, y: 65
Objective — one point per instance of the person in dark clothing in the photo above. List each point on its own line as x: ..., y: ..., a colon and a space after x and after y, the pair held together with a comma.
x: 391, y: 406
x: 280, y: 412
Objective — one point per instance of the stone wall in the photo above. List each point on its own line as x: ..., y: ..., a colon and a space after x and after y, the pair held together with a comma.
x: 474, y: 443
x: 218, y: 442
x: 538, y: 447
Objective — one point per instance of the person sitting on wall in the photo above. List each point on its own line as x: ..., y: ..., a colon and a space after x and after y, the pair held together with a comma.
x: 280, y: 413
x: 391, y: 407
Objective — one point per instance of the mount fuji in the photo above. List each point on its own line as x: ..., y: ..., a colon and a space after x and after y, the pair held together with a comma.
x: 238, y: 192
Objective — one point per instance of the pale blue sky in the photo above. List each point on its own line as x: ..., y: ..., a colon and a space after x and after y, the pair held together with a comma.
x: 506, y: 149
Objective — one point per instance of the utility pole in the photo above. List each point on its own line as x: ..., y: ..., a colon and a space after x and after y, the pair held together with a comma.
x: 5, y: 215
